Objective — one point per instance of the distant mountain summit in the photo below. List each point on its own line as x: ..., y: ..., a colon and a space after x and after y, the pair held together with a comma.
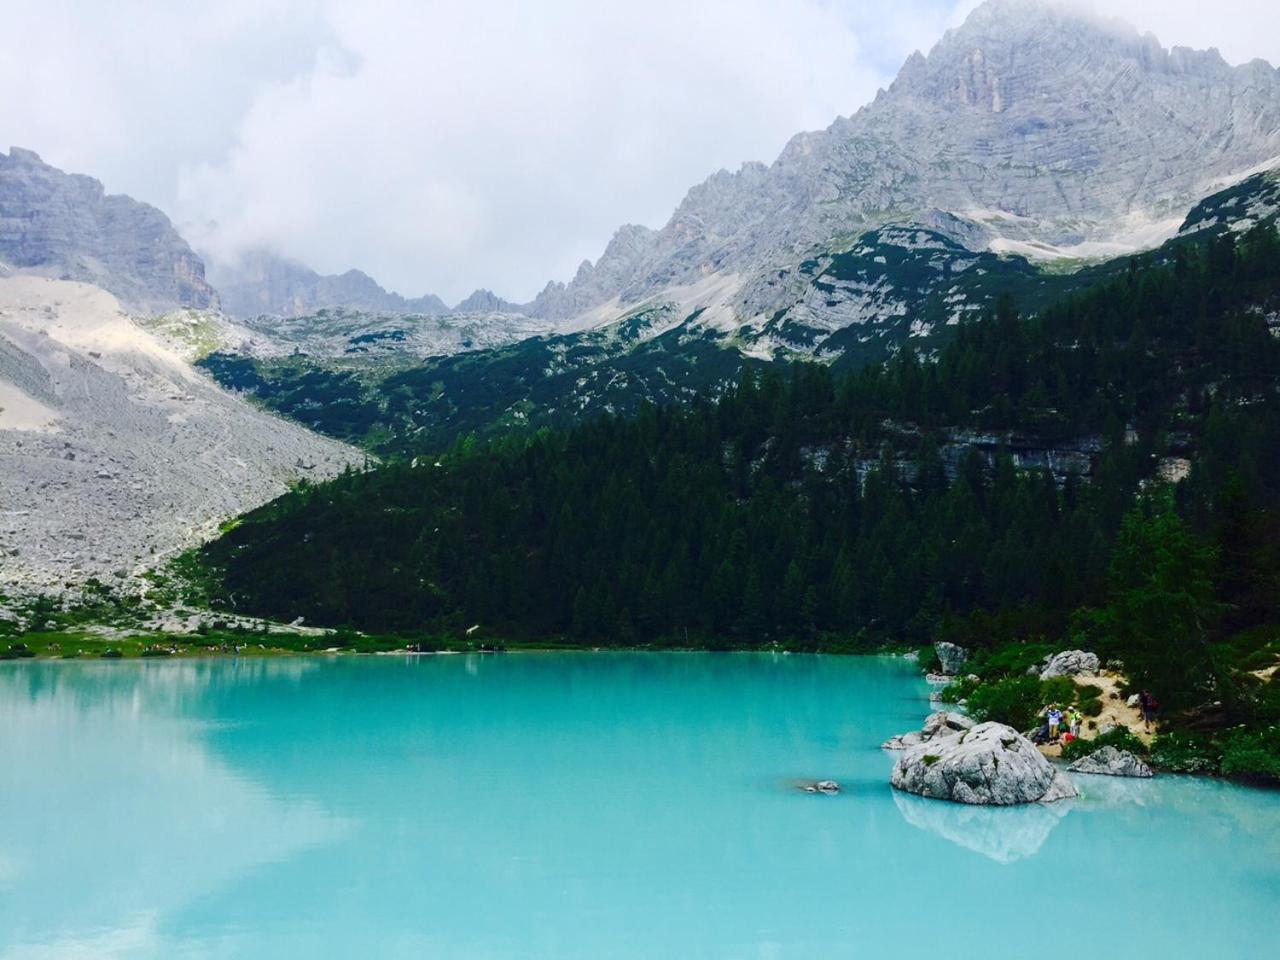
x: 1032, y: 128
x: 260, y: 283
x: 486, y: 301
x: 66, y: 226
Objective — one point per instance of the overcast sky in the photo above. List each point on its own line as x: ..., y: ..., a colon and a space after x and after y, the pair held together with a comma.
x: 443, y: 146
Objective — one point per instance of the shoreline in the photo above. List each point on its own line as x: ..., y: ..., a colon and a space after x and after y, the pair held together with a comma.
x: 189, y: 651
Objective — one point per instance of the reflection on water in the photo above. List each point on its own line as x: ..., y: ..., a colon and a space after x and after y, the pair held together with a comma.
x: 564, y: 806
x: 1004, y: 834
x: 114, y: 812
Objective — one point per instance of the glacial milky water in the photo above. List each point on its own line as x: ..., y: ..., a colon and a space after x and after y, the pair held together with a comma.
x: 572, y: 806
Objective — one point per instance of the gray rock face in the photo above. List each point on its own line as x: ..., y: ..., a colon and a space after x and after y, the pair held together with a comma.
x: 1070, y: 663
x: 260, y: 283
x: 1111, y: 762
x: 990, y: 764
x: 1031, y: 128
x: 65, y: 226
x: 951, y: 657
x: 938, y: 726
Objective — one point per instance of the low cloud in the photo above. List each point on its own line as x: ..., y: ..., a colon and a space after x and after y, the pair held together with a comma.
x: 442, y: 147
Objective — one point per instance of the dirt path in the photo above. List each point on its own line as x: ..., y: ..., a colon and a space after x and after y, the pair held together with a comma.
x: 1115, y: 712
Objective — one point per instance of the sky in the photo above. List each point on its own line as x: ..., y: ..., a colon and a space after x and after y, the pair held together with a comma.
x: 445, y: 146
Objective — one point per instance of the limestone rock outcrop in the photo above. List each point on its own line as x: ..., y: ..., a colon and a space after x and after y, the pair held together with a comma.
x: 938, y: 726
x: 990, y: 764
x: 951, y: 657
x: 1111, y: 762
x: 1069, y: 663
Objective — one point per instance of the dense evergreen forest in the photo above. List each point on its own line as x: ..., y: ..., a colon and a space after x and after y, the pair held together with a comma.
x: 825, y: 512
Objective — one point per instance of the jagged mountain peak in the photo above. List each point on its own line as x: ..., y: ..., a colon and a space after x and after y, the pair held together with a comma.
x: 1033, y: 127
x: 261, y: 282
x: 486, y: 301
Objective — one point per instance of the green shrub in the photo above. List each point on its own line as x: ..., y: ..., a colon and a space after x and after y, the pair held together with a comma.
x: 1186, y: 753
x: 1119, y: 737
x: 958, y: 690
x: 1091, y: 707
x: 928, y: 660
x: 1252, y: 753
x: 1014, y: 700
x: 1013, y: 660
x: 1088, y: 691
x: 1059, y: 690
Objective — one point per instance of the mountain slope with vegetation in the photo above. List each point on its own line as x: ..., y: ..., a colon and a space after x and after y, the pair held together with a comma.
x: 813, y: 507
x: 819, y: 511
x: 918, y: 286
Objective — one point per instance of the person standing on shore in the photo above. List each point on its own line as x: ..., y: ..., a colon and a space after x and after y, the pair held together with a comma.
x: 1077, y: 720
x: 1055, y: 720
x: 1150, y: 706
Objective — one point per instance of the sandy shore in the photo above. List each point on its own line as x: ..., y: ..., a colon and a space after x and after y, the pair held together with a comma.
x: 1115, y: 712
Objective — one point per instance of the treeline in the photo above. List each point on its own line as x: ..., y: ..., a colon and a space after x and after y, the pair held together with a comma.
x: 820, y: 511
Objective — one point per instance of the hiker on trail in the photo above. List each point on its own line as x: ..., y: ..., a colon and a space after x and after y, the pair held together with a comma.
x: 1150, y: 706
x: 1055, y: 720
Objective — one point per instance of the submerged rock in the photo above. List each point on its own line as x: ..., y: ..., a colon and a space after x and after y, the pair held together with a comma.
x: 988, y: 764
x: 938, y: 725
x: 1111, y: 762
x: 1069, y: 663
x: 829, y: 787
x: 951, y: 657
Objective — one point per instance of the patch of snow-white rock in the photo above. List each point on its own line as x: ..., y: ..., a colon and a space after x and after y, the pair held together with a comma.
x: 989, y: 764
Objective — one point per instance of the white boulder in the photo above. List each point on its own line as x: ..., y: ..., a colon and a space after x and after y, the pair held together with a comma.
x: 1070, y: 663
x: 951, y: 657
x: 1111, y: 762
x: 988, y: 764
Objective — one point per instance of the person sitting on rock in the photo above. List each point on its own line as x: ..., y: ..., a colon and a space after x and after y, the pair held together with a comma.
x: 1041, y: 733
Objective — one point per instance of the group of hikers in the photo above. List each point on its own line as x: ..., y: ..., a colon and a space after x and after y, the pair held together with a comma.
x: 1065, y: 724
x: 1057, y: 722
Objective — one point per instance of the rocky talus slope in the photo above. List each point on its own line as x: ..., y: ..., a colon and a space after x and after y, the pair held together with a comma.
x: 65, y: 226
x: 114, y: 452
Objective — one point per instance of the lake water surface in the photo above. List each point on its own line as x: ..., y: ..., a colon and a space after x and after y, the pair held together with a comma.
x: 572, y: 806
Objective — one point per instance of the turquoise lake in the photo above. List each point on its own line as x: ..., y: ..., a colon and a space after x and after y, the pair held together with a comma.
x: 573, y: 806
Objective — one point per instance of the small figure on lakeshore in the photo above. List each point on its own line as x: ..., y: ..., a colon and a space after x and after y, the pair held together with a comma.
x: 1077, y: 721
x: 1054, y: 717
x: 1149, y: 706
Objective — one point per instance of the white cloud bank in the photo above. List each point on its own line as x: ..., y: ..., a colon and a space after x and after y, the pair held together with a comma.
x: 443, y: 146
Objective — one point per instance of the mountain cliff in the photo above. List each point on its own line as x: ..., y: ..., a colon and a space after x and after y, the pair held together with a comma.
x: 66, y: 226
x: 1030, y: 129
